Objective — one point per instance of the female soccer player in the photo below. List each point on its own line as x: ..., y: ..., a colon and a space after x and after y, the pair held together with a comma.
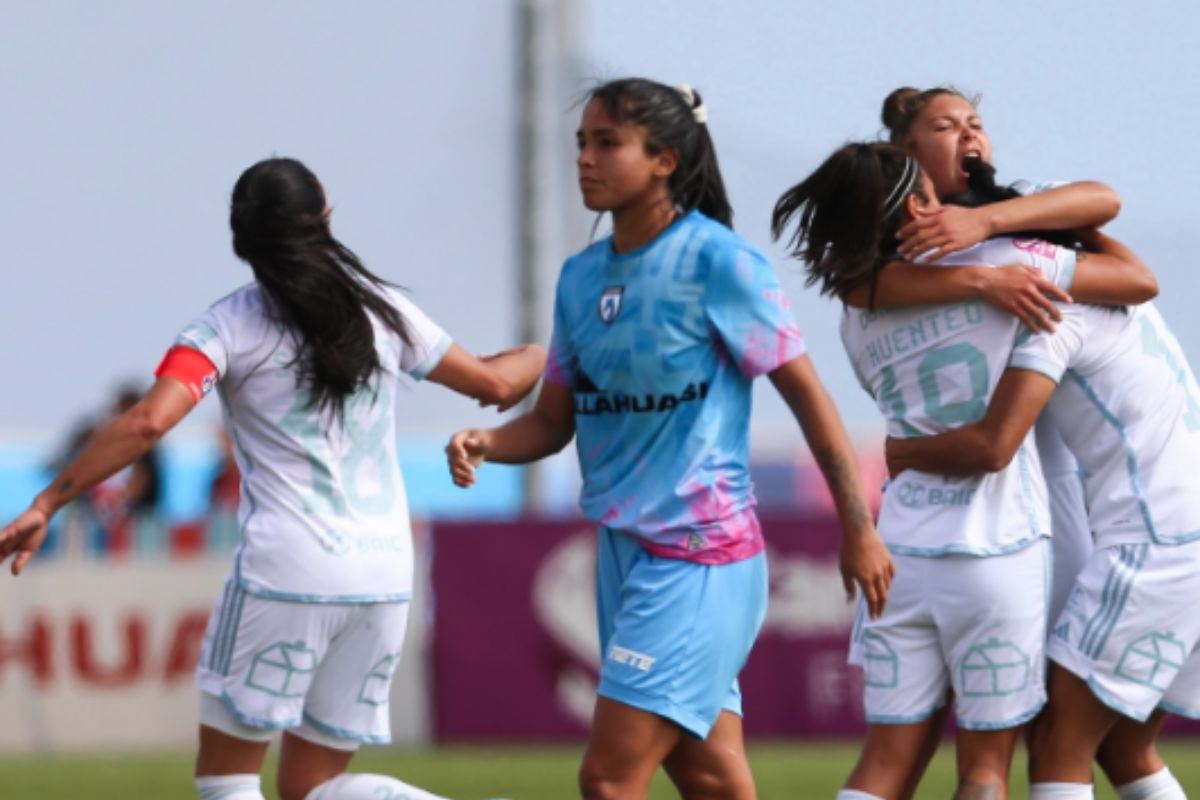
x: 970, y: 554
x: 1129, y: 408
x: 943, y: 128
x: 659, y: 331
x: 308, y: 361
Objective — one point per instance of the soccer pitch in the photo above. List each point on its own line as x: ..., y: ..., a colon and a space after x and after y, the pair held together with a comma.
x: 787, y: 771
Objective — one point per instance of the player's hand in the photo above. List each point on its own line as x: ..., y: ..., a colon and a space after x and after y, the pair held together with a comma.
x: 944, y: 231
x: 865, y: 561
x: 1026, y: 293
x: 24, y: 537
x: 466, y: 451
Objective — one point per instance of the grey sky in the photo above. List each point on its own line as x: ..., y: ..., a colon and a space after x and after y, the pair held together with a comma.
x: 127, y: 122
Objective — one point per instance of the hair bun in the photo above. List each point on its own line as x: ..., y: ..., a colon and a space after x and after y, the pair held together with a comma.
x: 895, y: 105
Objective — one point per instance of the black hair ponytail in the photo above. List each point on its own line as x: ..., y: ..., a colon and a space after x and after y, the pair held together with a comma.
x: 846, y: 214
x: 673, y: 119
x: 317, y: 287
x: 983, y: 190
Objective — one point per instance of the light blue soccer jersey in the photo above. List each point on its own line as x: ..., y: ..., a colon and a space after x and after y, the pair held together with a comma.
x: 659, y: 346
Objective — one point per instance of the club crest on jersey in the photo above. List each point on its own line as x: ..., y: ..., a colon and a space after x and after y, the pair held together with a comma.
x: 610, y: 303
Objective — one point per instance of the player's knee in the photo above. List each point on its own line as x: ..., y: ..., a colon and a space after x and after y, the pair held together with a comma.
x: 596, y: 783
x: 983, y: 783
x: 703, y: 784
x: 720, y: 775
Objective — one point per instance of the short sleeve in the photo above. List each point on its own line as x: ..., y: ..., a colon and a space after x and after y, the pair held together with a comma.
x: 427, y: 343
x: 1057, y: 263
x: 1030, y: 187
x: 746, y: 306
x: 1050, y: 353
x: 207, y: 334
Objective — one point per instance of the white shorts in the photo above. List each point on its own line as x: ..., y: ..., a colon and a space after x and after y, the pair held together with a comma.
x: 976, y: 625
x: 1131, y: 628
x: 1072, y: 541
x: 286, y: 665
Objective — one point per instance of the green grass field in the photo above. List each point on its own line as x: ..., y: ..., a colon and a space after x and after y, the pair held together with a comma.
x: 783, y: 771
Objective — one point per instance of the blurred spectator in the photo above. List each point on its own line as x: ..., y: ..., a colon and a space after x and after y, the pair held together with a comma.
x: 224, y: 493
x: 120, y: 514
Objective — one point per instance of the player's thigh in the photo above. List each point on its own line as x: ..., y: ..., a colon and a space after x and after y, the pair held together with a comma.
x: 894, y: 756
x: 625, y: 747
x: 714, y: 767
x: 224, y: 753
x: 1130, y: 631
x: 1068, y: 732
x: 984, y: 757
x: 1130, y: 749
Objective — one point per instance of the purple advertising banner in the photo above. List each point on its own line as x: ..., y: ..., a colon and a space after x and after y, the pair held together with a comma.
x: 515, y: 652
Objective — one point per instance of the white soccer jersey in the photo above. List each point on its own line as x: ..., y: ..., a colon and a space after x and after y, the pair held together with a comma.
x: 1128, y: 406
x: 932, y: 369
x: 323, y: 513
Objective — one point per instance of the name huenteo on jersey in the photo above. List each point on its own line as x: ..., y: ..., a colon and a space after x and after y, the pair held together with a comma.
x: 328, y: 520
x: 659, y: 347
x: 931, y: 369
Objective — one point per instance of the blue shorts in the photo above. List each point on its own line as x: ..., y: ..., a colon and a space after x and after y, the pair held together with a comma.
x: 675, y: 634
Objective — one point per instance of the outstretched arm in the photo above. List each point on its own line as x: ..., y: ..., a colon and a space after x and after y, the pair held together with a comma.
x: 502, y: 380
x: 864, y: 557
x: 1022, y: 291
x: 984, y: 446
x: 113, y: 447
x: 547, y: 428
x: 1109, y: 273
x: 1087, y: 204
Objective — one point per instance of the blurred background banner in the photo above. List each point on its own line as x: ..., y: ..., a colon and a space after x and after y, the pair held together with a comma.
x: 515, y: 650
x: 501, y: 644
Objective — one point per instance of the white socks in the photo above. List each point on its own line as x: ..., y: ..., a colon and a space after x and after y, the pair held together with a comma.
x: 1061, y: 791
x: 364, y: 786
x: 1159, y: 786
x: 229, y: 787
x: 854, y: 794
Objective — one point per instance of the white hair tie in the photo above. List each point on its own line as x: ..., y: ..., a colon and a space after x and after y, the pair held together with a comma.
x: 699, y: 110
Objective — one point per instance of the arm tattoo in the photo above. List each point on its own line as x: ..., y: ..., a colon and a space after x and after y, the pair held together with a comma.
x: 1080, y: 255
x: 65, y: 486
x: 976, y: 791
x: 842, y: 479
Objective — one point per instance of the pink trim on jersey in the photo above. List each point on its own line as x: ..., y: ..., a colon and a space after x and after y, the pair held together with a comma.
x: 730, y: 540
x: 1037, y: 247
x: 554, y: 373
x: 769, y: 348
x: 721, y: 533
x: 191, y: 368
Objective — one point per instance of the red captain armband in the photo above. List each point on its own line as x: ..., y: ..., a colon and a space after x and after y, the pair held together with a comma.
x: 191, y: 368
